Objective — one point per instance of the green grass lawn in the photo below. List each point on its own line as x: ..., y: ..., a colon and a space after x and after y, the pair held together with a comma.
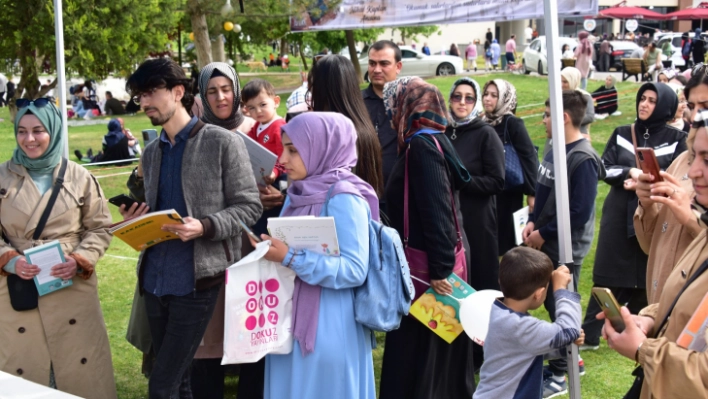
x: 607, y: 374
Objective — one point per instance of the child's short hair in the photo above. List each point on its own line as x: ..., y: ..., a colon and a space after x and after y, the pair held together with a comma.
x: 253, y: 88
x: 574, y: 104
x: 522, y: 271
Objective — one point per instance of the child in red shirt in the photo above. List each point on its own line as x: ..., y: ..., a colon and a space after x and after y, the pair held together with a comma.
x: 261, y: 102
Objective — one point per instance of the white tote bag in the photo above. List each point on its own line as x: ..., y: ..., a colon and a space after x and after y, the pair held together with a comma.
x: 258, y: 312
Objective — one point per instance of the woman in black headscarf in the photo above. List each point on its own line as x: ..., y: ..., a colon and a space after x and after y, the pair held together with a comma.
x: 620, y: 263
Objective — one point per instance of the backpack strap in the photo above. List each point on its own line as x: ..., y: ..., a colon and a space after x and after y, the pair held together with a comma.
x: 58, y: 183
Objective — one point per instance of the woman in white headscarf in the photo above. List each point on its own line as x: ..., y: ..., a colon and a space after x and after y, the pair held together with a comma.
x: 570, y: 80
x: 482, y: 154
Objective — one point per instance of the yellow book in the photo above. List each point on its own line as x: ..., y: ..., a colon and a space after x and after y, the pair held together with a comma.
x: 145, y: 231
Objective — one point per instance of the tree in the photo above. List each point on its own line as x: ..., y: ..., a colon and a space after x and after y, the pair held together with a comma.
x: 412, y: 32
x: 100, y: 37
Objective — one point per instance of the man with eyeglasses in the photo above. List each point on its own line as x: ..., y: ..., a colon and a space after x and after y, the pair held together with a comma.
x: 384, y: 66
x: 203, y: 172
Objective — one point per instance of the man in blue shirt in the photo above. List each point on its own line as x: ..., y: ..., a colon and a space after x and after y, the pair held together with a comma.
x: 203, y: 172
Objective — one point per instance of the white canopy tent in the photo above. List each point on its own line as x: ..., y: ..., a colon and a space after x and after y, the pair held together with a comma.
x: 452, y: 13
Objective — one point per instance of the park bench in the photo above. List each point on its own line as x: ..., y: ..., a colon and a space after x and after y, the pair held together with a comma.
x: 633, y: 67
x: 567, y: 62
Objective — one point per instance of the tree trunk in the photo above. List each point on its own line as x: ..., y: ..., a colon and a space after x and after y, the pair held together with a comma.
x: 284, y: 49
x: 302, y: 55
x: 217, y: 50
x: 29, y: 78
x: 201, y: 33
x: 352, y: 53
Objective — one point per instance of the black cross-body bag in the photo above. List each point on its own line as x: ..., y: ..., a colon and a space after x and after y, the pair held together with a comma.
x: 636, y: 389
x: 23, y: 293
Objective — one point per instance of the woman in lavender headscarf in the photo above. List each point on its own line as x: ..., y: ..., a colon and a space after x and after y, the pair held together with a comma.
x: 319, y: 151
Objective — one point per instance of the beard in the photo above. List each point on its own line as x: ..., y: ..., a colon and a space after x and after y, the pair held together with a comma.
x: 160, y: 119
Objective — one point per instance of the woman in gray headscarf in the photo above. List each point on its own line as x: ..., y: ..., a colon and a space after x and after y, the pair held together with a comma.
x: 220, y: 91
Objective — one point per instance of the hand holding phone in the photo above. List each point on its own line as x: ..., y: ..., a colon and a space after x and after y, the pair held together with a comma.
x: 648, y: 163
x: 248, y: 231
x: 122, y: 199
x: 609, y: 306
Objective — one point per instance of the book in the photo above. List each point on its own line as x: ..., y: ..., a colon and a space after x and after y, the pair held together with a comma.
x: 440, y: 313
x: 693, y: 337
x: 520, y: 218
x: 45, y: 257
x: 144, y: 231
x: 316, y: 234
x: 262, y: 160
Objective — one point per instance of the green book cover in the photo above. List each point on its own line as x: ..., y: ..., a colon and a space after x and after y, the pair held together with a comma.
x: 45, y: 257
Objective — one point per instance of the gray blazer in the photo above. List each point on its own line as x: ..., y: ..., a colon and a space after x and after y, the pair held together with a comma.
x: 219, y: 190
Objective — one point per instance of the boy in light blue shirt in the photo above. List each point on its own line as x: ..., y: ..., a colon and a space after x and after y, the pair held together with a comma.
x: 517, y: 342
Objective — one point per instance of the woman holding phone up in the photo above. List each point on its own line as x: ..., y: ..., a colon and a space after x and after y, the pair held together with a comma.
x: 673, y: 369
x: 620, y: 263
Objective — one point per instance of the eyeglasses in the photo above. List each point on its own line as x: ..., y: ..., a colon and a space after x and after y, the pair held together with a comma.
x: 39, y: 102
x: 458, y: 98
x: 146, y: 94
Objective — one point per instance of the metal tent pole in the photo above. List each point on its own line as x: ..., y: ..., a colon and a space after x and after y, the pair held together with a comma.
x: 560, y: 169
x: 61, y: 73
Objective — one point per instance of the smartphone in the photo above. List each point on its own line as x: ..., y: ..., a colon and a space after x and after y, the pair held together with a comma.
x: 122, y: 199
x: 648, y: 163
x: 609, y: 306
x: 249, y: 232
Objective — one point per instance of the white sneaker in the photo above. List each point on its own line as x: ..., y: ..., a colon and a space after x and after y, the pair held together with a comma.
x: 600, y: 116
x: 616, y: 113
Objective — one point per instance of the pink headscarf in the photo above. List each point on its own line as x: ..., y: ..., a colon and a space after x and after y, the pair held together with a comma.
x: 585, y: 46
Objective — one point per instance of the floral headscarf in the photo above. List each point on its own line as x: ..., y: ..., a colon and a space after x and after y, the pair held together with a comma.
x: 506, y: 103
x: 413, y: 104
x: 454, y: 120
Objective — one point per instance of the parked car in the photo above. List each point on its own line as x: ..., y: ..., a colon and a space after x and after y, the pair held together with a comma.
x: 535, y: 58
x: 415, y: 63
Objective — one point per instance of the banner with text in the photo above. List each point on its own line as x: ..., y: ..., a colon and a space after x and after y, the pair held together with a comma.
x: 358, y: 14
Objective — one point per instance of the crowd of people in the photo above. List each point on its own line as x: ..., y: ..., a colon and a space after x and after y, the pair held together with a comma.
x: 445, y: 171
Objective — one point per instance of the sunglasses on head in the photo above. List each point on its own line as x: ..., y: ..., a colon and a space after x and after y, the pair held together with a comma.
x: 39, y: 102
x: 457, y: 98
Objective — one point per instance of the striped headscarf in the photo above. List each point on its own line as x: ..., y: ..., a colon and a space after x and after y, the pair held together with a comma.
x: 220, y: 69
x: 412, y: 104
x: 506, y: 102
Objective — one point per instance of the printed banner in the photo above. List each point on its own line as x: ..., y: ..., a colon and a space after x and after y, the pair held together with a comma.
x: 358, y: 14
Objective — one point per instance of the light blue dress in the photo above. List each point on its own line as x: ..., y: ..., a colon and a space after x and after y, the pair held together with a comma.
x: 341, y: 365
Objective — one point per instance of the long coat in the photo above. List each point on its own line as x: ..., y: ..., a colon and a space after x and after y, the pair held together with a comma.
x: 66, y: 330
x: 482, y: 154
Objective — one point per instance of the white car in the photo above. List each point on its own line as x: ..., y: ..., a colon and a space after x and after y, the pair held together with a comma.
x: 416, y: 63
x: 675, y: 40
x: 535, y: 56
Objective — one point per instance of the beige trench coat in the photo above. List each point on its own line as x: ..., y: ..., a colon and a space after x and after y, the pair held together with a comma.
x: 67, y: 330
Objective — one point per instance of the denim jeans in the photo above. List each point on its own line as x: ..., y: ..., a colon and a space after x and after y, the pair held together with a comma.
x: 177, y: 325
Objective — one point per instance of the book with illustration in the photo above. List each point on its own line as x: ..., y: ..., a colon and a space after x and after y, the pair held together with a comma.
x: 144, y: 231
x: 262, y: 160
x: 693, y: 336
x: 521, y: 217
x: 316, y: 234
x: 440, y: 313
x: 45, y: 257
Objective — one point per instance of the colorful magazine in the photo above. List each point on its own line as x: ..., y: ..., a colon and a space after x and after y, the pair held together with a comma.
x: 440, y: 313
x: 143, y: 232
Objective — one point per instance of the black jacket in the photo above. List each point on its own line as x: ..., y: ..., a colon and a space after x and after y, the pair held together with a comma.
x: 387, y: 136
x: 482, y: 154
x: 432, y: 227
x: 619, y: 261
